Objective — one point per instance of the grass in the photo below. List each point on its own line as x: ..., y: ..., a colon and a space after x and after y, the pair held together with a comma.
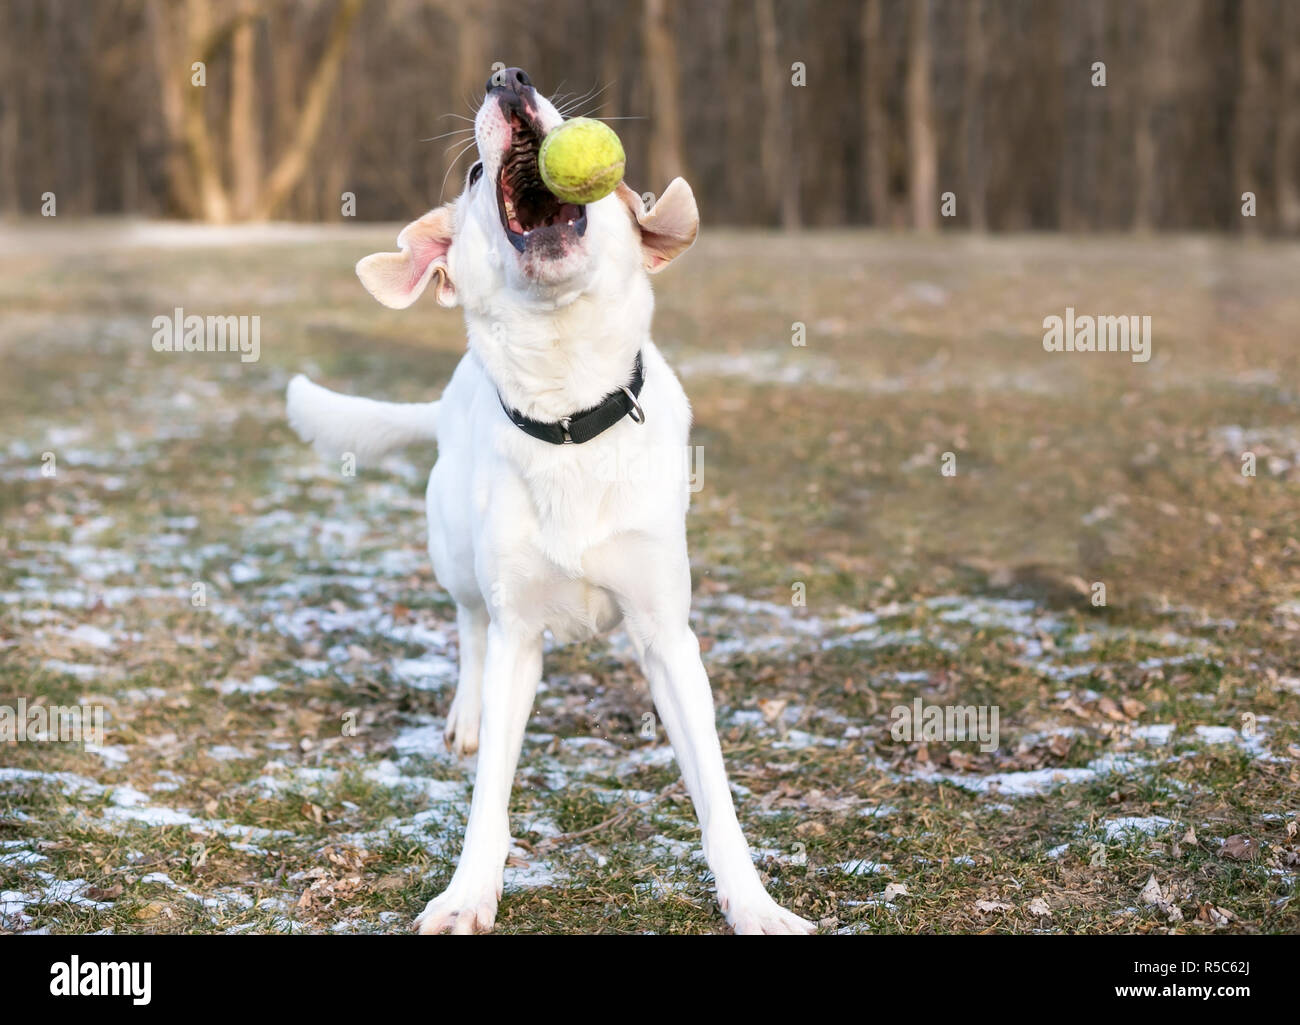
x: 272, y: 759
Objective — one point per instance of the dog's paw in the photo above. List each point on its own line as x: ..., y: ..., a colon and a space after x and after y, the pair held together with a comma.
x: 458, y: 913
x: 461, y: 732
x: 766, y: 918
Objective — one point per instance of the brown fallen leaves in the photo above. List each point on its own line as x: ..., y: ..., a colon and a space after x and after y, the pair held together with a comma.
x: 1126, y: 710
x: 771, y: 708
x: 1038, y: 907
x: 337, y: 881
x: 1161, y: 898
x: 1208, y: 914
x: 1239, y: 847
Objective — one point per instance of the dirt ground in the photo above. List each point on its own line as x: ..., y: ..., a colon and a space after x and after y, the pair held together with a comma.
x: 272, y: 757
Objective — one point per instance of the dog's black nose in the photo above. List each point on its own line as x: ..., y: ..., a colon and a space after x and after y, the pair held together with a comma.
x: 514, y: 79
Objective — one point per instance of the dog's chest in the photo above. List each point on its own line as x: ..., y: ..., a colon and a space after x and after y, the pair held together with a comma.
x: 575, y: 511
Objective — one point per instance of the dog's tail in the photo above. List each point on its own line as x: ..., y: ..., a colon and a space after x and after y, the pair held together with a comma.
x: 336, y: 424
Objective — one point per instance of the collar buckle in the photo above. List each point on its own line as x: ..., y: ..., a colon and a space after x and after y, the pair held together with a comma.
x: 636, y: 412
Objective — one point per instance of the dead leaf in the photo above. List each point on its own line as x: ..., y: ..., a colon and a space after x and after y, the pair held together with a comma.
x: 895, y: 890
x: 988, y: 907
x: 772, y: 708
x: 961, y: 762
x: 1239, y: 847
x: 154, y: 909
x: 1110, y: 710
x: 1132, y: 707
x: 1039, y: 907
x: 1153, y: 896
x: 1070, y: 705
x: 1211, y: 915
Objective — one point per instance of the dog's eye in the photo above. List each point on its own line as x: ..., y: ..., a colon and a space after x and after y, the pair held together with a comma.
x: 476, y: 172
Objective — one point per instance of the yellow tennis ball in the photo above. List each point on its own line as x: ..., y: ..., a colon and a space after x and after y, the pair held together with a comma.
x: 581, y: 161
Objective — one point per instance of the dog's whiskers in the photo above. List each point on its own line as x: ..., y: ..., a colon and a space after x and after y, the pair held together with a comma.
x: 588, y: 97
x: 465, y: 148
x: 575, y: 101
x: 444, y: 135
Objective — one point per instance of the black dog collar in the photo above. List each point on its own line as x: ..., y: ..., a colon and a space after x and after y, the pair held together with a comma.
x: 580, y: 427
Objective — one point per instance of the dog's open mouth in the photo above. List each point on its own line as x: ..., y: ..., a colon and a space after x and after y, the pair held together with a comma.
x: 529, y: 212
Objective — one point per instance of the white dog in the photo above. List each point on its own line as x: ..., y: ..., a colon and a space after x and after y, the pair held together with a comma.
x: 529, y: 530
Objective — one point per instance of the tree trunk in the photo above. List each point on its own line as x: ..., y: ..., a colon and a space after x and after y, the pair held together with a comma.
x: 472, y: 64
x: 173, y: 78
x: 1286, y: 164
x: 875, y: 131
x: 293, y: 161
x: 1143, y: 58
x: 1248, y: 108
x: 666, y: 161
x: 473, y: 67
x: 204, y: 163
x: 973, y: 116
x: 776, y: 156
x: 922, y: 153
x: 10, y: 131
x: 245, y: 126
x: 738, y: 134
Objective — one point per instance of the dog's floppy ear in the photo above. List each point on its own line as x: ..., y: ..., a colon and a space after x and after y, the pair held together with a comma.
x: 398, y: 279
x: 669, y: 227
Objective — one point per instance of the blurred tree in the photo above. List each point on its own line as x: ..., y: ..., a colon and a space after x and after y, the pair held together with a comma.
x: 973, y: 116
x: 197, y: 182
x: 776, y: 153
x: 922, y: 186
x: 874, y: 127
x: 995, y: 99
x: 666, y: 162
x: 1286, y: 168
x: 1250, y: 105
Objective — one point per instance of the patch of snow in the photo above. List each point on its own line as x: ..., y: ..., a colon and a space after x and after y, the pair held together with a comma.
x: 1122, y: 828
x: 257, y: 685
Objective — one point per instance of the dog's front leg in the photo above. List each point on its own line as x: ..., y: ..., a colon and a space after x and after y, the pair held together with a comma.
x: 511, y: 672
x: 680, y: 688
